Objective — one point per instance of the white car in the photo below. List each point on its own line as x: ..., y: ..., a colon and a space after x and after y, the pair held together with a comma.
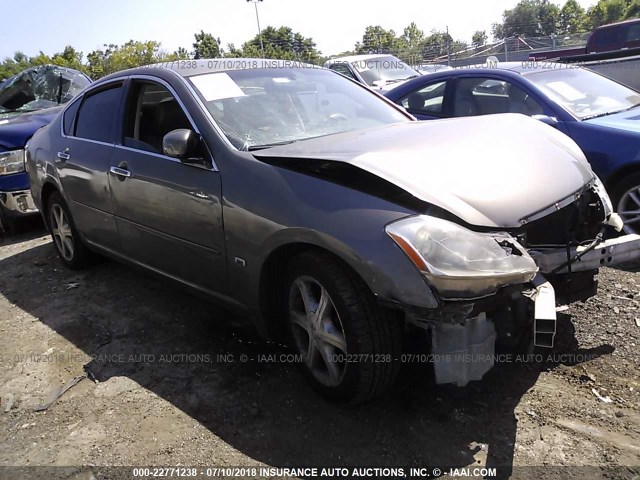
x: 378, y: 71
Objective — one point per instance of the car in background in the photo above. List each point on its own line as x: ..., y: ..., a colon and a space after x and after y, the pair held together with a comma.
x: 326, y: 214
x: 377, y: 71
x: 28, y: 101
x: 427, y: 68
x: 599, y: 114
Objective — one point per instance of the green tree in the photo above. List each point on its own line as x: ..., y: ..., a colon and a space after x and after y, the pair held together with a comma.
x: 206, y: 46
x: 479, y: 38
x: 607, y: 11
x: 633, y: 10
x: 281, y: 43
x: 573, y: 18
x: 412, y: 35
x: 378, y: 40
x: 180, y: 54
x: 529, y: 18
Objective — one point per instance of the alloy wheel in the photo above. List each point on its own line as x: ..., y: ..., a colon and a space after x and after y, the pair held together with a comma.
x: 61, y: 232
x: 629, y: 209
x: 317, y: 330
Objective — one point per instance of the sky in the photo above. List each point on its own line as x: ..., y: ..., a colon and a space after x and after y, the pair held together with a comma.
x: 335, y: 25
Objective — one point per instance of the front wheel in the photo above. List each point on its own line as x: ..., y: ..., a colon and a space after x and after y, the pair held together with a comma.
x: 626, y: 201
x: 66, y: 240
x: 348, y: 345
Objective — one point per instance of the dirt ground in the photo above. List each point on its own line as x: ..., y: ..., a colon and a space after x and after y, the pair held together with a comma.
x: 171, y: 384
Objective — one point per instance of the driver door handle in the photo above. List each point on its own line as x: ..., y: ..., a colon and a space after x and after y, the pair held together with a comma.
x: 121, y: 170
x: 64, y: 155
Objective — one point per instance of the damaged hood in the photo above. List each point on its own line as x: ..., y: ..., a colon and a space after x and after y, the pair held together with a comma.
x: 490, y: 171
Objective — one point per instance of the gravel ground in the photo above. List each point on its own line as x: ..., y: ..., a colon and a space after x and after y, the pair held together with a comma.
x: 168, y: 387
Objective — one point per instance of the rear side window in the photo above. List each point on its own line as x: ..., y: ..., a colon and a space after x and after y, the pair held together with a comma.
x: 633, y: 33
x: 97, y: 115
x: 69, y: 117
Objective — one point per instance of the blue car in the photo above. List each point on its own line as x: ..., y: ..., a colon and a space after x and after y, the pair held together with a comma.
x: 28, y: 101
x: 599, y: 114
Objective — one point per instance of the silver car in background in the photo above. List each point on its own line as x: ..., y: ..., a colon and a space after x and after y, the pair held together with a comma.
x: 326, y: 215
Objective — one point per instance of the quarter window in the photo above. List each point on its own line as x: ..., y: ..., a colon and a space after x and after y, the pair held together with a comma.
x: 97, y: 115
x: 69, y: 118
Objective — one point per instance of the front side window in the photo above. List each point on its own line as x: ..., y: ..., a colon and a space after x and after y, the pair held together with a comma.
x: 152, y: 111
x: 585, y: 93
x: 96, y: 118
x: 261, y: 107
x: 427, y: 100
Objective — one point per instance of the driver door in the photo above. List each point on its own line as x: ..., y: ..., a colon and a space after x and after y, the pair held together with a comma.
x: 168, y: 212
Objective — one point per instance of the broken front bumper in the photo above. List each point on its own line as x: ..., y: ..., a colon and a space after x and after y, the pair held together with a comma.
x: 605, y: 254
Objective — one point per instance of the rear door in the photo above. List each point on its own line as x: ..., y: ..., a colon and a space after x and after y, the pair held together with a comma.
x: 168, y: 212
x: 83, y: 157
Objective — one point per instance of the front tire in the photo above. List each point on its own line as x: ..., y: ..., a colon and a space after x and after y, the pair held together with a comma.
x: 350, y: 347
x: 625, y: 197
x: 66, y: 240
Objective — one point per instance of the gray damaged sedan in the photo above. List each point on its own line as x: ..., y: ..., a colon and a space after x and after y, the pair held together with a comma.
x: 327, y: 215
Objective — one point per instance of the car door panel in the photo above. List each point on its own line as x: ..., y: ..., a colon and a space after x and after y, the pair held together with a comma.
x: 168, y: 213
x: 169, y: 216
x: 82, y: 160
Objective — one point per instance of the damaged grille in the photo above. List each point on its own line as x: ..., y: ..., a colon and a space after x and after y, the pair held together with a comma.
x: 572, y: 225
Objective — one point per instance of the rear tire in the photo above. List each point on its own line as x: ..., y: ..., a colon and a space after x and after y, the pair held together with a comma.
x: 349, y: 345
x: 66, y: 240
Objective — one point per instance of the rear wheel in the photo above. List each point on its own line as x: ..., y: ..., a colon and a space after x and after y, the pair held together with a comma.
x: 68, y: 244
x: 348, y: 345
x: 626, y: 200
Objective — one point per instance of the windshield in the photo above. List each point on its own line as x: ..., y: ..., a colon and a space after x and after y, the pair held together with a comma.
x: 387, y: 69
x: 584, y: 93
x: 40, y: 87
x: 262, y: 107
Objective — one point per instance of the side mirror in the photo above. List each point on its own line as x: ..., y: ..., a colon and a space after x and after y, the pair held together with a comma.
x: 552, y: 121
x: 180, y: 143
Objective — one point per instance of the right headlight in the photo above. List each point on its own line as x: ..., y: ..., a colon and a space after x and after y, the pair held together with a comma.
x: 11, y: 162
x: 459, y: 262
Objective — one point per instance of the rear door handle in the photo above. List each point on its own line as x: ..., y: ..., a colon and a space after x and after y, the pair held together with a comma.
x: 64, y: 156
x: 120, y: 172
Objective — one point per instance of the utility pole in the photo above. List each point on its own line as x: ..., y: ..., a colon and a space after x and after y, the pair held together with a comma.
x: 255, y: 4
x: 448, y: 48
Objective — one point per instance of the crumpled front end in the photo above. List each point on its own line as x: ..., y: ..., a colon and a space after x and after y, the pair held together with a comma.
x: 504, y: 286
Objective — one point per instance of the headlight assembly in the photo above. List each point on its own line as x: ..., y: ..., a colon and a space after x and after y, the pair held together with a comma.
x: 458, y: 262
x: 11, y: 162
x: 598, y: 187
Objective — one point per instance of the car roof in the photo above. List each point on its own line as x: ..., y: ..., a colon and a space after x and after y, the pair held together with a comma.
x: 188, y: 68
x: 624, y: 22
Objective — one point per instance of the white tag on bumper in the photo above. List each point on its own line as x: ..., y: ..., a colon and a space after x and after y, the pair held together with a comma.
x: 544, y: 298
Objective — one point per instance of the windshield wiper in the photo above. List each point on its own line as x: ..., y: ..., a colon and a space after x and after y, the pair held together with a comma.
x: 252, y: 148
x: 591, y: 117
